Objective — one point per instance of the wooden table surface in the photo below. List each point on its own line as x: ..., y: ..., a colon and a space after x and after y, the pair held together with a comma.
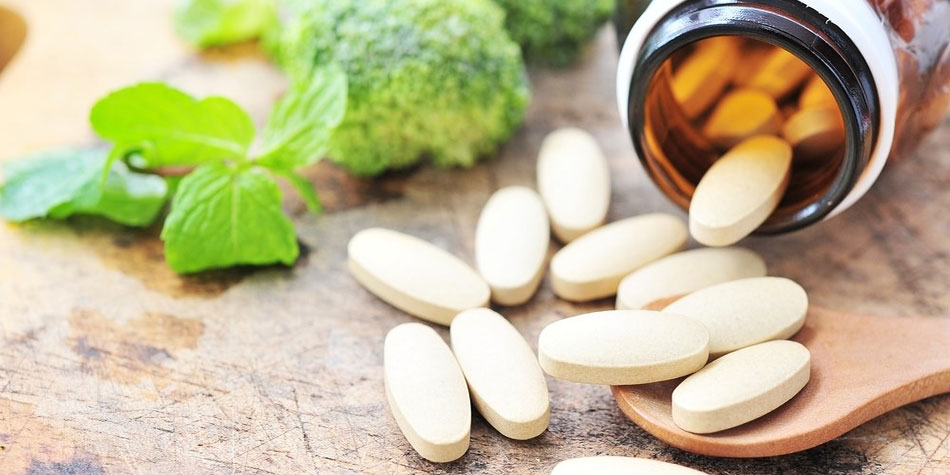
x: 109, y: 362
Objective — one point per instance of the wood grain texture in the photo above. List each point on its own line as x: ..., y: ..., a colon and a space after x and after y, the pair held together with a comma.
x: 110, y: 363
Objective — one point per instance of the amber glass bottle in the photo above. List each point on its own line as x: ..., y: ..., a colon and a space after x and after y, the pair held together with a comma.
x: 887, y: 63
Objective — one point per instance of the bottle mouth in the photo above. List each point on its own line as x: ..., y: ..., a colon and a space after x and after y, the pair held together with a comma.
x: 670, y: 144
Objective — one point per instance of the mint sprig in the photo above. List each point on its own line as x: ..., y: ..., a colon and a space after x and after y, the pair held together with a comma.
x: 168, y: 127
x: 227, y: 211
x: 299, y: 126
x: 65, y: 182
x: 224, y: 215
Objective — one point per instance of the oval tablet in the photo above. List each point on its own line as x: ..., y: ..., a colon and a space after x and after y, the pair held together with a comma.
x: 574, y: 181
x: 414, y: 275
x: 426, y: 392
x: 780, y: 73
x: 739, y: 192
x: 745, y: 312
x: 612, y: 465
x: 705, y: 73
x: 754, y: 54
x: 815, y: 132
x: 511, y: 242
x: 816, y: 93
x: 741, y: 386
x: 679, y: 274
x: 503, y: 375
x: 620, y: 347
x: 741, y: 114
x: 593, y: 266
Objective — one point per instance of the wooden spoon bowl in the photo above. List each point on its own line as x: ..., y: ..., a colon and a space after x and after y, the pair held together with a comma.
x: 862, y: 367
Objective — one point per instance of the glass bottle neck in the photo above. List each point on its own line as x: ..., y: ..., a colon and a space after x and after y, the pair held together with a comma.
x: 788, y: 24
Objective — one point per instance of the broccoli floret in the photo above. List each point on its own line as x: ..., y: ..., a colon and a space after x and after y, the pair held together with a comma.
x: 554, y: 31
x: 427, y: 78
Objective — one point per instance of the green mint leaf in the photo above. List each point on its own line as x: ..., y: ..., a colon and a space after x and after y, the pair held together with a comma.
x: 305, y: 189
x: 299, y: 127
x: 168, y: 127
x: 126, y: 197
x: 219, y: 22
x: 223, y: 216
x: 66, y: 182
x: 35, y: 185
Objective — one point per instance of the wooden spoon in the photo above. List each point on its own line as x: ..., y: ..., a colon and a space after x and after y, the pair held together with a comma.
x: 862, y: 367
x: 12, y: 34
